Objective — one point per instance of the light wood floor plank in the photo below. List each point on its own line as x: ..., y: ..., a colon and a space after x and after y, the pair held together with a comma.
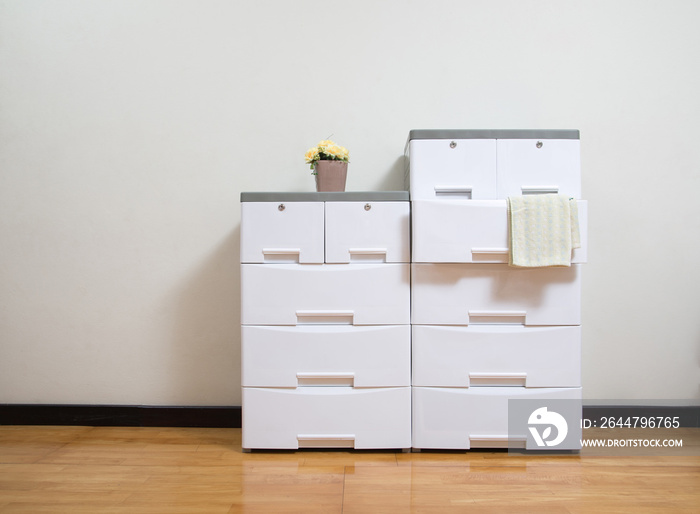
x: 187, y: 470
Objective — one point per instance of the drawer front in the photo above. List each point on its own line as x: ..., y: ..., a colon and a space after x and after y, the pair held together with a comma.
x: 531, y: 165
x: 359, y: 294
x: 367, y: 232
x: 278, y: 232
x: 495, y: 355
x: 328, y: 355
x: 472, y: 231
x: 442, y: 168
x: 470, y: 418
x: 455, y: 294
x: 341, y: 417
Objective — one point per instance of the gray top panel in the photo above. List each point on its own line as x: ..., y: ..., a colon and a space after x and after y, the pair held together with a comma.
x: 352, y: 196
x: 493, y: 134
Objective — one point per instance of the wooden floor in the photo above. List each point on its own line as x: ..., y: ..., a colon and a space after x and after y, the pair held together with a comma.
x: 174, y: 470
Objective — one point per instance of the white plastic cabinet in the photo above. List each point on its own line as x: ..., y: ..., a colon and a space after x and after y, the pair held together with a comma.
x: 472, y: 231
x: 325, y: 311
x: 459, y: 294
x: 528, y: 166
x: 492, y: 164
x: 475, y: 417
x: 328, y: 417
x: 483, y: 332
x: 367, y: 232
x: 453, y: 168
x: 359, y: 294
x: 274, y: 232
x: 496, y: 355
x: 326, y: 355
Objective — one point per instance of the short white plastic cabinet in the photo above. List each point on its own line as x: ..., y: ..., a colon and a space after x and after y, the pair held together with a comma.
x: 325, y: 285
x: 484, y: 332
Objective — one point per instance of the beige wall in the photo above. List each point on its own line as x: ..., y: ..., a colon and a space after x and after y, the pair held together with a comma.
x: 129, y: 128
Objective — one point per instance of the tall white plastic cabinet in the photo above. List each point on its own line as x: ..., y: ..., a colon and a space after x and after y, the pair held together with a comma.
x: 484, y: 332
x: 325, y: 285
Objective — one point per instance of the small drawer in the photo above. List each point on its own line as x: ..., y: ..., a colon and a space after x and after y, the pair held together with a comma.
x: 496, y: 355
x: 456, y: 294
x: 452, y: 168
x: 327, y: 417
x: 472, y: 231
x: 539, y: 166
x: 446, y: 418
x: 279, y: 232
x: 329, y: 355
x: 367, y: 232
x: 355, y: 294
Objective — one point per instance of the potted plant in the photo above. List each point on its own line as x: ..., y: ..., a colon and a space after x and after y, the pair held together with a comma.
x: 329, y: 163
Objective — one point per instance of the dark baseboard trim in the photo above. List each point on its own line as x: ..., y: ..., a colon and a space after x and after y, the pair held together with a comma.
x: 230, y: 417
x: 120, y: 416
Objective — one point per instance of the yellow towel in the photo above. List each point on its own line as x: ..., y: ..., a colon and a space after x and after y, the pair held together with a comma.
x: 543, y: 230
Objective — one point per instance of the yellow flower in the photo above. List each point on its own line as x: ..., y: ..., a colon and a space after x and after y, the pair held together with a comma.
x: 335, y: 151
x: 326, y: 150
x: 311, y: 155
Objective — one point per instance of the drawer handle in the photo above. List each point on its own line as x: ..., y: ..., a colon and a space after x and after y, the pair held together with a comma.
x: 326, y: 440
x: 539, y: 190
x: 274, y: 255
x: 367, y: 251
x: 281, y: 251
x: 325, y: 316
x: 325, y: 378
x: 500, y: 317
x: 446, y: 190
x: 497, y: 379
x: 490, y: 254
x: 479, y: 251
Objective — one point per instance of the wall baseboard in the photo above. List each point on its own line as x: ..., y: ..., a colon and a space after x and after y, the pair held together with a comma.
x: 120, y: 416
x: 230, y: 417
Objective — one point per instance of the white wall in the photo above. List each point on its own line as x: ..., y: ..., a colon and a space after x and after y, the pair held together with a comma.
x: 128, y: 129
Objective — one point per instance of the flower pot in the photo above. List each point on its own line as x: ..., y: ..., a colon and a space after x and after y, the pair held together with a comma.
x: 331, y: 175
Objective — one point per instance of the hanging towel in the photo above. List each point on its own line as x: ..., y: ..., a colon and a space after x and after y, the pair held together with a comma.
x: 543, y: 230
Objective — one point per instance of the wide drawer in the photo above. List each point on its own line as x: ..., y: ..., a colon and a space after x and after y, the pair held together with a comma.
x: 452, y: 168
x: 278, y: 232
x: 539, y: 166
x: 328, y: 355
x: 445, y: 418
x: 459, y: 294
x: 367, y: 232
x: 342, y: 417
x: 496, y: 355
x: 359, y: 294
x: 472, y: 231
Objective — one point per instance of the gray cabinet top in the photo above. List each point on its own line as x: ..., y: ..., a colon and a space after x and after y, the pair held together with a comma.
x: 348, y: 196
x: 493, y: 134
